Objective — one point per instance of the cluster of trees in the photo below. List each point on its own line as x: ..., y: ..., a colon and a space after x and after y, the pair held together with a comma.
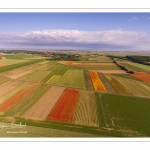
x: 128, y: 70
x: 140, y: 59
x: 67, y: 57
x: 116, y: 57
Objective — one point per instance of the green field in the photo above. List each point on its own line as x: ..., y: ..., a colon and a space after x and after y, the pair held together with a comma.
x: 134, y: 68
x: 36, y: 76
x: 12, y: 61
x: 129, y: 114
x: 15, y: 66
x: 17, y: 56
x: 146, y: 67
x: 71, y: 78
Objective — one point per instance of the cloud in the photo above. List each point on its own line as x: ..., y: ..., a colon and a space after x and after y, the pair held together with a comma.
x: 148, y: 18
x: 75, y: 39
x: 133, y: 19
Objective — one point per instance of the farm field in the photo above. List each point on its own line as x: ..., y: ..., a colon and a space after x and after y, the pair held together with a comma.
x: 87, y: 97
x: 64, y: 109
x: 146, y: 67
x: 129, y: 113
x: 71, y: 78
x: 97, y: 83
x: 86, y: 111
x: 42, y: 108
x: 120, y: 88
x: 37, y: 76
x: 142, y: 76
x: 7, y: 87
x: 135, y: 87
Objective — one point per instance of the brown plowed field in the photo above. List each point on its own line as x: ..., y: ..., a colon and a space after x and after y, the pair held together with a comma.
x: 7, y: 87
x: 43, y: 107
x: 111, y: 71
x: 142, y: 76
x: 5, y: 106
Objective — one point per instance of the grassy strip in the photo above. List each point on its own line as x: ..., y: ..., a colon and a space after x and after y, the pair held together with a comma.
x: 14, y: 66
x: 100, y: 108
x: 70, y: 127
x: 23, y: 106
x: 87, y: 80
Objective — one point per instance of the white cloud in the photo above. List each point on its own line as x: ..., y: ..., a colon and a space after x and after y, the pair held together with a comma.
x: 68, y: 38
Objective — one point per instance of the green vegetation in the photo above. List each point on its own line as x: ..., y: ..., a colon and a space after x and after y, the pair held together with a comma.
x: 18, y: 56
x: 14, y: 66
x: 36, y: 76
x: 133, y: 68
x: 72, y: 78
x: 32, y: 131
x: 103, y: 112
x: 145, y: 67
x: 87, y: 79
x: 139, y: 59
x: 129, y: 113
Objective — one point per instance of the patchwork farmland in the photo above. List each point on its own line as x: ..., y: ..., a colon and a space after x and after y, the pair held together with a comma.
x: 88, y: 97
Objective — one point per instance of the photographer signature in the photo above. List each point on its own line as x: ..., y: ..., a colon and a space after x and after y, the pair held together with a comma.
x: 4, y: 126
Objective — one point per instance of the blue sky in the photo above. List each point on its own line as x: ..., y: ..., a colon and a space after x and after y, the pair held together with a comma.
x: 91, y: 31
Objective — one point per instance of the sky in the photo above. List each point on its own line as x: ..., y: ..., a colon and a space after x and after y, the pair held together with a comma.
x: 75, y: 31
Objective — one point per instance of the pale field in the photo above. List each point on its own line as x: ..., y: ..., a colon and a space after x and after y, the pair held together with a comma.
x: 7, y: 87
x: 43, y: 107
